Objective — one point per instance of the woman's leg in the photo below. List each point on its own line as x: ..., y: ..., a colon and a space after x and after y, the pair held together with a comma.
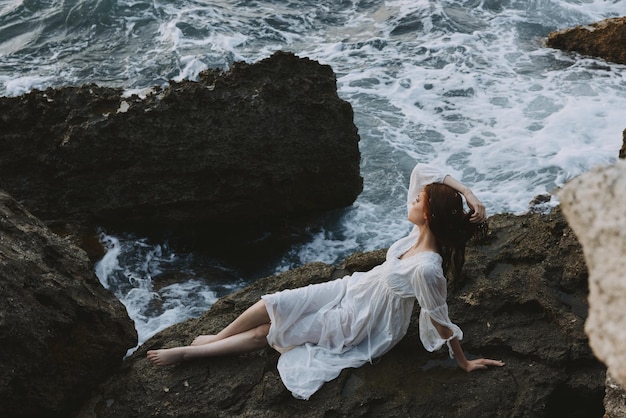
x: 250, y: 340
x: 251, y: 318
x: 247, y: 332
x: 204, y: 339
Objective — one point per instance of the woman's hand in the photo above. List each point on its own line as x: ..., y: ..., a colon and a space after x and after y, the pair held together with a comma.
x: 481, y: 364
x: 480, y: 213
x: 459, y: 355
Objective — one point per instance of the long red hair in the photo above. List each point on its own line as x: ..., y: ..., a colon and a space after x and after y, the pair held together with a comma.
x: 450, y: 225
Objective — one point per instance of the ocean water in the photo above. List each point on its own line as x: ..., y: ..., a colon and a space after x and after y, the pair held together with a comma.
x: 466, y: 85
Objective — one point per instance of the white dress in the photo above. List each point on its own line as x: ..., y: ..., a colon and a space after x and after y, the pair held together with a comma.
x: 323, y: 328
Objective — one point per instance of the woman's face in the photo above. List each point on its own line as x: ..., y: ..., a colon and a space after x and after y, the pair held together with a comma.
x: 417, y: 214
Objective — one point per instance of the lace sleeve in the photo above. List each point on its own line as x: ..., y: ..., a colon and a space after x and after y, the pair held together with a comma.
x: 430, y: 289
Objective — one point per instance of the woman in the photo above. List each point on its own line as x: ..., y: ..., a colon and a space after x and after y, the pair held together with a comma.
x: 321, y: 329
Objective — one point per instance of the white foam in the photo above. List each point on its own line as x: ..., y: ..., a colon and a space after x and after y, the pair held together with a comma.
x: 176, y: 302
x: 16, y: 86
x: 9, y: 6
x: 18, y: 42
x: 142, y: 93
x: 506, y: 115
x: 128, y: 268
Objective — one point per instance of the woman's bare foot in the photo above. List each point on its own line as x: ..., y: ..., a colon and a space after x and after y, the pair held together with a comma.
x: 204, y: 339
x: 166, y: 356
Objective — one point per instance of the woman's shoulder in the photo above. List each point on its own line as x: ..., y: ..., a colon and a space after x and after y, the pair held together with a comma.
x: 430, y: 258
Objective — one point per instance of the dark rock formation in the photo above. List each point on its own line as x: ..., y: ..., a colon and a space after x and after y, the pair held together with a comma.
x: 622, y: 151
x: 523, y: 301
x: 260, y: 142
x: 60, y: 331
x: 605, y: 39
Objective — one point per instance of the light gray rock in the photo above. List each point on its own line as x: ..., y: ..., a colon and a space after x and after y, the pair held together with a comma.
x: 594, y: 207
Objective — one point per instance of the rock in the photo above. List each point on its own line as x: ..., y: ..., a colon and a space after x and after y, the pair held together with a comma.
x: 615, y: 399
x: 541, y: 203
x: 594, y: 206
x: 61, y: 332
x: 605, y: 39
x: 622, y: 151
x: 523, y: 300
x: 259, y: 143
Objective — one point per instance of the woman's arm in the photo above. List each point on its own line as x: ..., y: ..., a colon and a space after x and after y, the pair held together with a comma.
x: 422, y: 175
x: 459, y: 355
x: 480, y: 213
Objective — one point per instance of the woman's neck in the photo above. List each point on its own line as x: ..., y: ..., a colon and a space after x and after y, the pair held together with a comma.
x: 426, y: 240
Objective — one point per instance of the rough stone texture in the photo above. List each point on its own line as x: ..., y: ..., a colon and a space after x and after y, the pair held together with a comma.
x: 594, y: 206
x: 605, y: 39
x: 262, y: 141
x: 61, y: 332
x: 615, y: 399
x: 523, y: 301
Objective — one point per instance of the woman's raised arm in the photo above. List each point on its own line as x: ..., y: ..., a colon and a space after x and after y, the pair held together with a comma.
x: 480, y: 213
